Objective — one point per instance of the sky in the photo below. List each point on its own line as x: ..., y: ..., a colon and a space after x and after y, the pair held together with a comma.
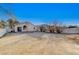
x: 38, y: 13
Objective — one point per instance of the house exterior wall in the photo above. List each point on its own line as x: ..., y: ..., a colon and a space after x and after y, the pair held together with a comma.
x: 71, y: 30
x: 3, y: 32
x: 29, y: 27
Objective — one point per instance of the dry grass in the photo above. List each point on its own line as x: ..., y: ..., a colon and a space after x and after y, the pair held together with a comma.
x: 75, y: 38
x: 1, y: 29
x: 42, y: 44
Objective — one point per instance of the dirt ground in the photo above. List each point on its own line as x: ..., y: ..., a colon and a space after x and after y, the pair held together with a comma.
x: 39, y: 44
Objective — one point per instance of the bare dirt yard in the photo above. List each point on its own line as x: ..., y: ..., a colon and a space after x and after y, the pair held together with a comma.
x: 38, y: 43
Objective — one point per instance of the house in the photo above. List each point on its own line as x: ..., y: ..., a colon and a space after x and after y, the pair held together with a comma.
x: 71, y: 30
x: 23, y: 27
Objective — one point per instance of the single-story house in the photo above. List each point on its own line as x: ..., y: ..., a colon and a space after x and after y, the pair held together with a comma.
x: 23, y: 27
x: 70, y: 30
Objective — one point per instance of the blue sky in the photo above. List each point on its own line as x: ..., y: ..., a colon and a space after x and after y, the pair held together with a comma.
x: 38, y: 13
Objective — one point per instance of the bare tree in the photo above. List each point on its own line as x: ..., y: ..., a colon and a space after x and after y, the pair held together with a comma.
x: 56, y: 27
x: 8, y: 12
x: 2, y: 24
x: 44, y: 28
x: 12, y: 21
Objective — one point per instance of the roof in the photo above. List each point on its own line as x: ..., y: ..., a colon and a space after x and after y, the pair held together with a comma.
x: 24, y: 23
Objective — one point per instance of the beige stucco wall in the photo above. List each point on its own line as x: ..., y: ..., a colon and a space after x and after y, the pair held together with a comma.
x: 29, y: 27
